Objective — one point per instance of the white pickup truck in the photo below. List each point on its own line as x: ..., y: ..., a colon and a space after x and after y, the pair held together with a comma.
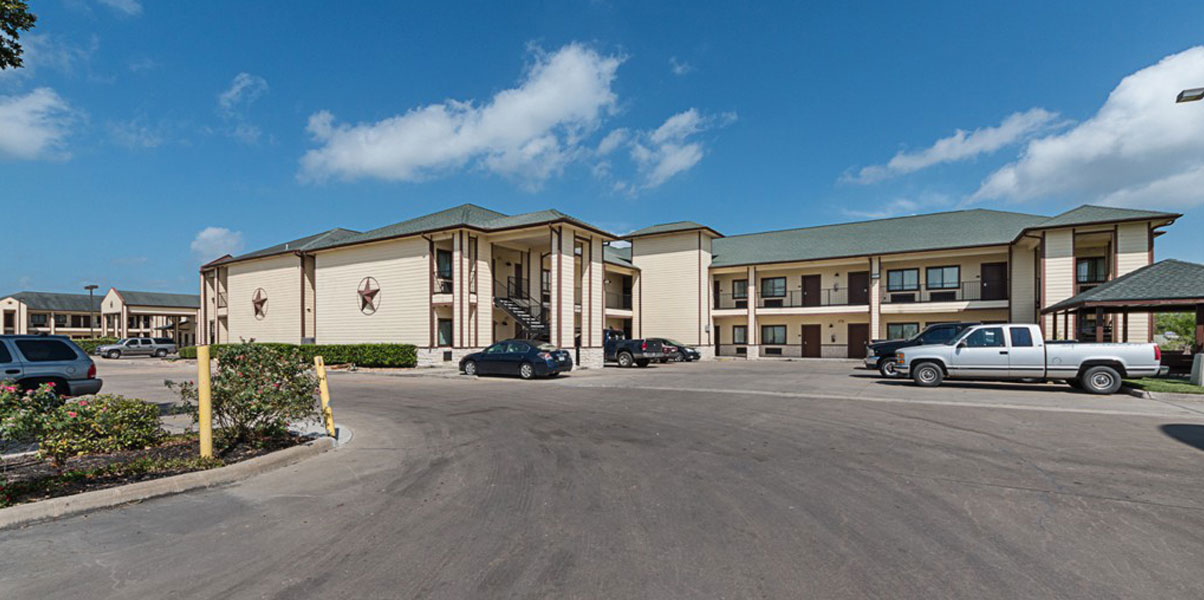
x: 1017, y: 352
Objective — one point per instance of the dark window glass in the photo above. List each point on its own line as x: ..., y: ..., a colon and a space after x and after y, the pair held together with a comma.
x: 773, y: 287
x: 902, y: 280
x: 773, y: 334
x: 1021, y: 337
x: 45, y: 350
x: 740, y: 288
x: 1091, y: 270
x: 5, y: 357
x: 443, y: 264
x: 38, y: 320
x: 445, y: 332
x: 517, y: 347
x: 990, y: 337
x: 60, y: 320
x: 944, y: 278
x: 898, y: 331
x: 496, y: 349
x: 939, y: 335
x: 739, y: 334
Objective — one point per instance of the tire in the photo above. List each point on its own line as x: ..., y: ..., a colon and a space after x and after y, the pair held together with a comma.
x: 470, y: 368
x: 1101, y: 380
x: 114, y: 354
x: 160, y: 353
x: 626, y: 360
x: 927, y: 375
x: 663, y: 361
x: 886, y: 368
x: 641, y: 363
x: 526, y: 371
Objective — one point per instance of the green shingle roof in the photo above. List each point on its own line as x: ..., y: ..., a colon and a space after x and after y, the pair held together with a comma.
x: 308, y: 242
x: 669, y: 228
x: 160, y: 299
x: 1102, y: 214
x: 1162, y: 281
x: 618, y: 256
x: 58, y: 302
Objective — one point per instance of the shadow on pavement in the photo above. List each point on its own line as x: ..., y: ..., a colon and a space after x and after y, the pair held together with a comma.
x: 1192, y: 435
x: 982, y: 385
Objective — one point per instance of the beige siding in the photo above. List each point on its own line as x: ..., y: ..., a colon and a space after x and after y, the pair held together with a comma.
x: 1058, y: 282
x: 672, y: 290
x: 403, y: 308
x: 280, y: 278
x: 483, y: 332
x: 1023, y: 288
x: 1132, y: 253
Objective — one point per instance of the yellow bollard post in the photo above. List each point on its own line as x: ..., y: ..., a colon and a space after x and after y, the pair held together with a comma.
x: 205, y: 408
x: 324, y: 388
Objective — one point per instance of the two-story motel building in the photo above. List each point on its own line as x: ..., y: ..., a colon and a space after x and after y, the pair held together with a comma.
x: 457, y: 280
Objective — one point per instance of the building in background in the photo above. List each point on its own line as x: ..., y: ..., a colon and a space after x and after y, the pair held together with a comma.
x: 127, y: 313
x: 73, y: 315
x: 457, y: 280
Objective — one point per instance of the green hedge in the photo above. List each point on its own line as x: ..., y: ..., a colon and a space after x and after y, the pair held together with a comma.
x: 361, y: 355
x: 89, y: 345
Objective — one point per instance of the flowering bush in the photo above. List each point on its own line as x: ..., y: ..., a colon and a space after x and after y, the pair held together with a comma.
x: 258, y: 390
x: 100, y: 425
x: 23, y: 412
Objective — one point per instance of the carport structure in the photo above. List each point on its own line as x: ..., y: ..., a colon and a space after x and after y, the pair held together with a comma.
x: 1165, y: 286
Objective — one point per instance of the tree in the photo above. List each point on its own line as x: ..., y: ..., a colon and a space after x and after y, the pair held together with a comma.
x: 14, y: 18
x: 1183, y: 324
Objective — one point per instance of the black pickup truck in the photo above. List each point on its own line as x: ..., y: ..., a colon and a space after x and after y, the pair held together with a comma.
x: 881, y: 354
x: 617, y: 348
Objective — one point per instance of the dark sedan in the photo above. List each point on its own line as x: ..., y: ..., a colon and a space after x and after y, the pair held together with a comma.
x: 526, y: 358
x: 677, y: 351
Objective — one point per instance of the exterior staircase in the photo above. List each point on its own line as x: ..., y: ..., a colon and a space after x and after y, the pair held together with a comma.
x: 512, y: 298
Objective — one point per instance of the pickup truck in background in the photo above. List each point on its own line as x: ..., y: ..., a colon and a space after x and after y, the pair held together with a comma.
x: 617, y: 348
x: 881, y: 354
x: 1017, y: 352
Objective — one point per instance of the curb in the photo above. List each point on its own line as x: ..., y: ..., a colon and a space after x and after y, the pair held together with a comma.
x: 1138, y: 393
x: 24, y: 514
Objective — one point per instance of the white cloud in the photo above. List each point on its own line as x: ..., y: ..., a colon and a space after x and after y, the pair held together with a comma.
x: 528, y: 132
x: 903, y: 206
x: 214, y: 242
x: 45, y: 51
x: 135, y: 133
x: 132, y: 8
x: 962, y: 145
x: 668, y: 150
x: 612, y: 141
x: 234, y: 103
x: 1140, y: 148
x: 679, y: 68
x: 35, y: 125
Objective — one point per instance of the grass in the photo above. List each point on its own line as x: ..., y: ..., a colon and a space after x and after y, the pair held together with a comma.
x: 1168, y: 385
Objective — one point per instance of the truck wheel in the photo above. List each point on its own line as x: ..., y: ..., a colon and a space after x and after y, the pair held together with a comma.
x: 927, y: 375
x: 161, y: 353
x: 886, y: 367
x: 1101, y: 380
x: 641, y: 363
x: 626, y: 360
x: 114, y: 354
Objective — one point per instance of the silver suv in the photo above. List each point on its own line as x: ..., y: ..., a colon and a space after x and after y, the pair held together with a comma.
x: 31, y: 360
x: 138, y: 347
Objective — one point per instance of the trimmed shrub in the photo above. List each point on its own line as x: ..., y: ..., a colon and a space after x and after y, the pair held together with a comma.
x: 99, y: 425
x: 362, y: 355
x: 89, y: 345
x: 23, y: 414
x: 258, y: 390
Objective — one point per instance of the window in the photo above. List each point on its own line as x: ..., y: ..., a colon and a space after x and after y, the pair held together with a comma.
x: 45, y: 350
x: 1021, y: 337
x: 773, y: 334
x: 940, y: 335
x: 990, y: 337
x: 944, y: 278
x: 517, y: 347
x: 496, y: 348
x: 38, y: 320
x: 739, y: 288
x: 443, y: 264
x: 445, y: 332
x: 1091, y: 270
x: 81, y: 320
x: 773, y: 287
x: 899, y: 331
x: 60, y: 320
x: 903, y: 280
x: 5, y: 356
x: 739, y: 334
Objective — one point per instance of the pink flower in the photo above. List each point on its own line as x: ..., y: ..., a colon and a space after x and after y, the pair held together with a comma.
x: 83, y: 402
x: 71, y: 414
x: 50, y: 383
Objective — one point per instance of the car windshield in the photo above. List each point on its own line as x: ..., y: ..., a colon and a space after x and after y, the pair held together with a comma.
x: 674, y: 343
x: 122, y: 340
x: 546, y: 347
x: 957, y: 338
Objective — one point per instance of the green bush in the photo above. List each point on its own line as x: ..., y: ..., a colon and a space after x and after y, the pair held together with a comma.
x: 258, y: 390
x: 23, y: 413
x: 362, y: 355
x: 90, y: 345
x: 99, y: 425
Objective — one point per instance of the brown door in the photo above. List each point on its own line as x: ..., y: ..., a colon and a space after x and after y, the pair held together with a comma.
x: 994, y: 281
x: 811, y: 290
x: 811, y: 342
x: 859, y: 287
x: 859, y: 336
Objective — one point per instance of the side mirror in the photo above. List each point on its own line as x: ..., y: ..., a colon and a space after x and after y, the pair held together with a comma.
x: 961, y: 344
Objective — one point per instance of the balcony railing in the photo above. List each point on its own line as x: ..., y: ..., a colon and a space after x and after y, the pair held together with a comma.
x: 965, y: 291
x: 443, y: 285
x: 730, y: 301
x: 618, y: 301
x: 798, y: 299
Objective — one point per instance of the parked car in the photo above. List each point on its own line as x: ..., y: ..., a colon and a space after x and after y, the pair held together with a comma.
x: 1016, y: 352
x: 618, y: 349
x: 676, y: 351
x: 138, y: 347
x: 31, y: 360
x: 526, y: 358
x: 881, y: 355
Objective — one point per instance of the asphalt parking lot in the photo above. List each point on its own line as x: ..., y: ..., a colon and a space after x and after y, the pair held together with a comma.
x: 715, y: 480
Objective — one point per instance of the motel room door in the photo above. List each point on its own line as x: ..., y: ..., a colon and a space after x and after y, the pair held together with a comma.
x: 859, y: 336
x: 994, y: 281
x: 811, y: 341
x: 811, y: 293
x: 859, y: 287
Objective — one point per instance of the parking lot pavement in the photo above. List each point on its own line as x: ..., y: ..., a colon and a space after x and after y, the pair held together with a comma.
x: 648, y: 488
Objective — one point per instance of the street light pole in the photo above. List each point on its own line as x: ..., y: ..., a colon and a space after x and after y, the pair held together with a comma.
x: 91, y: 320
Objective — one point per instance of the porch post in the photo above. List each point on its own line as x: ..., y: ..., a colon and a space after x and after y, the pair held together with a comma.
x: 1099, y: 324
x: 751, y: 336
x: 1199, y: 328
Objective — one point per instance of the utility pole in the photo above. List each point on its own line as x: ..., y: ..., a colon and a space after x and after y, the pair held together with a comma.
x: 91, y: 319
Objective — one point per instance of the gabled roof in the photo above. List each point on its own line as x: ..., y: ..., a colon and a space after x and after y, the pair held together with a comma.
x: 955, y: 229
x: 58, y: 302
x: 298, y: 245
x: 1089, y: 213
x: 1165, y: 281
x: 618, y: 256
x: 674, y: 227
x: 160, y: 299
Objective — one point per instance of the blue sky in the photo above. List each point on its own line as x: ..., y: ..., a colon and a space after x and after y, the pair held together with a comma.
x: 146, y: 136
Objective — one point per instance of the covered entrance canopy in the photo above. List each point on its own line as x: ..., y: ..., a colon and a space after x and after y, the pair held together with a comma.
x: 1165, y: 286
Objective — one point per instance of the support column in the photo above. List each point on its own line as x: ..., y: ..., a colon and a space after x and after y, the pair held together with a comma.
x: 1099, y: 324
x: 459, y: 292
x: 1199, y: 328
x: 50, y: 323
x: 876, y: 298
x: 753, y: 336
